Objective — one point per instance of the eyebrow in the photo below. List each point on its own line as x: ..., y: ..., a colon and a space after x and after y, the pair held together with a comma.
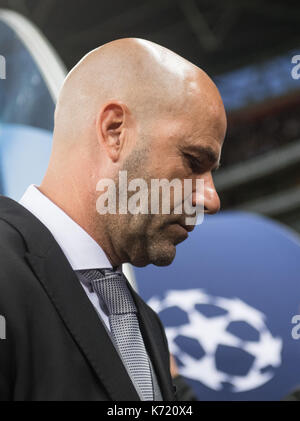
x: 210, y: 154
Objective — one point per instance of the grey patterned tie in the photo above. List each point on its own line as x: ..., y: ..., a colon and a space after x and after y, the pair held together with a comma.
x: 111, y: 287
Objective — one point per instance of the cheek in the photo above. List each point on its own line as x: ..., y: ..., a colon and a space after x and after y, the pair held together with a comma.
x: 165, y: 162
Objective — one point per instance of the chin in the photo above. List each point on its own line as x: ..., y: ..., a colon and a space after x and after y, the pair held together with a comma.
x: 160, y: 260
x: 163, y: 256
x: 158, y: 254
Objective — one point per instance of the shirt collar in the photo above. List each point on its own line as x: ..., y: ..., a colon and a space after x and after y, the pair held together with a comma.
x: 79, y: 247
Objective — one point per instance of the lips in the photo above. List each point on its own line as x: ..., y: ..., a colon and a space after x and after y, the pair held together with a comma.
x: 188, y: 228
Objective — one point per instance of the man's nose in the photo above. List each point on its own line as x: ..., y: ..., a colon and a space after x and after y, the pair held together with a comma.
x: 211, y: 198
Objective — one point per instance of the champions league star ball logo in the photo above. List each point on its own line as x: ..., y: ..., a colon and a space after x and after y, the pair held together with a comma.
x: 215, y: 335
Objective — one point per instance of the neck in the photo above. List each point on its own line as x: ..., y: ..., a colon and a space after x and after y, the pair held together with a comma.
x: 79, y: 203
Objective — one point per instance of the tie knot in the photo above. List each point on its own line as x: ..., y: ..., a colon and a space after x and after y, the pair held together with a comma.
x: 112, y: 288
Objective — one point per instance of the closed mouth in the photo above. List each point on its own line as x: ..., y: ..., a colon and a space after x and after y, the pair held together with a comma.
x: 188, y: 228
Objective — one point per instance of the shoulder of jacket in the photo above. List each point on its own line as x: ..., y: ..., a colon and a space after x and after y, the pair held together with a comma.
x: 13, y: 265
x: 11, y: 241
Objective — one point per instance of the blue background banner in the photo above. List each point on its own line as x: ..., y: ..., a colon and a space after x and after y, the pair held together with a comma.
x: 227, y: 302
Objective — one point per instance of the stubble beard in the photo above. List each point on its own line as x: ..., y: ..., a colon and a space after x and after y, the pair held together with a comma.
x: 141, y: 239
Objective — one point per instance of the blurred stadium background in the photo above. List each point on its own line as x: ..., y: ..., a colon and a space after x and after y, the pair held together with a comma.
x: 247, y: 46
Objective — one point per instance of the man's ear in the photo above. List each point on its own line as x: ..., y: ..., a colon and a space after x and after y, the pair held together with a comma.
x: 111, y: 128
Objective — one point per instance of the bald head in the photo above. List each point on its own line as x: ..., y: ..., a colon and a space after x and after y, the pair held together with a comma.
x: 150, y: 79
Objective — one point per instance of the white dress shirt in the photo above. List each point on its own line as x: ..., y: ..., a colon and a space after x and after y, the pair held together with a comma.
x: 79, y: 247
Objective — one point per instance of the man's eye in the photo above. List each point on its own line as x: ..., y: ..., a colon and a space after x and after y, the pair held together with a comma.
x: 194, y: 163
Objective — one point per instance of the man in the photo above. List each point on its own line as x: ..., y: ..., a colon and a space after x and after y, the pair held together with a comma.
x: 75, y: 329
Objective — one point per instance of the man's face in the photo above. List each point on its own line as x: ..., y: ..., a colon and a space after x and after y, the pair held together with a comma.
x: 185, y: 147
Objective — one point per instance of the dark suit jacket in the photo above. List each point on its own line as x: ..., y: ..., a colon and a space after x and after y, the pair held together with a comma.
x: 56, y: 348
